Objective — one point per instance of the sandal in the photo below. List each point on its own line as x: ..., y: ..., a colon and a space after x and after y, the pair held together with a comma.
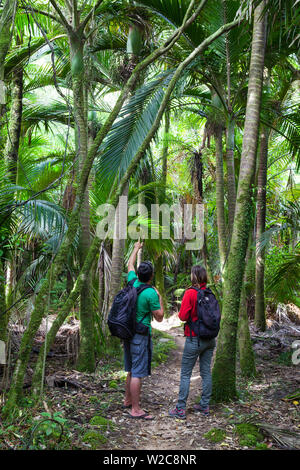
x: 143, y: 416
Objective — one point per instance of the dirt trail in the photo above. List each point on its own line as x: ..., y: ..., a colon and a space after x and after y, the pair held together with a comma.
x: 260, y: 397
x: 159, y: 394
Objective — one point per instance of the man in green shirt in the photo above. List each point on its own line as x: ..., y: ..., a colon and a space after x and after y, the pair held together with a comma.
x: 138, y: 351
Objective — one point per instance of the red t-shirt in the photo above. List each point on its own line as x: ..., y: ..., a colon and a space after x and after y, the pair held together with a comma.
x: 188, y: 308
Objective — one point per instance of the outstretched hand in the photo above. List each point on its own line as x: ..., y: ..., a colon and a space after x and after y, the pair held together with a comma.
x: 138, y: 245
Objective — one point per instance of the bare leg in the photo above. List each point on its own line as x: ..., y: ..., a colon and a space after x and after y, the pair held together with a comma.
x: 135, y: 391
x: 127, y: 399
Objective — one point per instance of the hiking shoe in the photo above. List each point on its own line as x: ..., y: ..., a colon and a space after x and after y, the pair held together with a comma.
x: 176, y: 413
x: 200, y: 409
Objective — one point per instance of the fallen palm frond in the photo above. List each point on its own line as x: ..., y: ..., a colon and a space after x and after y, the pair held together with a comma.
x: 284, y: 438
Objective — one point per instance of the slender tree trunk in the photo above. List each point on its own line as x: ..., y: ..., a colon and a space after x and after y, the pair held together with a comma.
x: 3, y: 317
x: 7, y: 22
x: 159, y: 264
x: 101, y: 282
x: 260, y: 317
x: 117, y: 261
x: 247, y: 361
x: 198, y: 190
x: 11, y: 160
x: 141, y: 200
x: 231, y: 190
x: 86, y: 357
x: 224, y: 371
x: 220, y: 197
x: 14, y: 126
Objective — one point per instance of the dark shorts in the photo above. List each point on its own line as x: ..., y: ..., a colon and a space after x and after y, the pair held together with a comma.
x: 137, y: 355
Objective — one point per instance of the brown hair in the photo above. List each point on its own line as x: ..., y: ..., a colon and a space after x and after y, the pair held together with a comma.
x: 199, y: 275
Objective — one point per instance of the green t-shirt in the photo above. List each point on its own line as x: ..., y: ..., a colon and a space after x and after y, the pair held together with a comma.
x: 147, y: 301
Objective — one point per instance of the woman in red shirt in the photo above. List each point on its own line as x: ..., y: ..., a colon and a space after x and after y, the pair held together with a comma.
x: 194, y: 347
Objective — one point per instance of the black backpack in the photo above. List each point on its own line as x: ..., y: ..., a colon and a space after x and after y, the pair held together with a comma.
x: 122, y: 316
x: 207, y: 325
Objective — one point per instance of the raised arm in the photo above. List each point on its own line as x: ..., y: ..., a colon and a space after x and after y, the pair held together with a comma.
x: 159, y: 314
x: 132, y: 258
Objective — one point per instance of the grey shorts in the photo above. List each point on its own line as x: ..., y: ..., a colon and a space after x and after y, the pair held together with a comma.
x: 137, y: 355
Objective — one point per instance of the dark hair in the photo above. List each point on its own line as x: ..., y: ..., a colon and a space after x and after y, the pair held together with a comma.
x: 199, y: 275
x: 145, y: 271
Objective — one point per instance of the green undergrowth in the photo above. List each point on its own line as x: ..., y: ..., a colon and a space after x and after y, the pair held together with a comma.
x: 94, y: 439
x: 31, y: 428
x: 215, y: 435
x: 101, y: 422
x: 249, y: 435
x: 161, y: 349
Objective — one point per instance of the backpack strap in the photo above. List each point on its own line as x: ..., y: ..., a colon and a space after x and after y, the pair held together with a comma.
x: 140, y: 289
x: 189, y: 321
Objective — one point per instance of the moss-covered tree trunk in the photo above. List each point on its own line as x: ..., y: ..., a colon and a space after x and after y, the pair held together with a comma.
x: 224, y: 371
x: 221, y: 222
x: 159, y: 263
x: 3, y: 316
x: 11, y: 161
x: 231, y: 189
x: 117, y: 260
x: 260, y: 316
x: 86, y: 357
x: 101, y: 284
x: 7, y: 21
x: 14, y: 126
x: 246, y: 353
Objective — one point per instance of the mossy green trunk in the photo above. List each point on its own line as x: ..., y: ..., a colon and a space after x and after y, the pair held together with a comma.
x: 220, y: 198
x: 260, y: 316
x: 86, y: 357
x: 101, y: 284
x: 159, y: 263
x: 224, y: 371
x: 246, y: 353
x: 231, y: 189
x: 3, y: 316
x: 6, y: 27
x: 117, y: 260
x: 7, y: 21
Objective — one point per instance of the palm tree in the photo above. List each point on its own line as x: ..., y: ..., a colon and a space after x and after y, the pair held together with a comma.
x: 6, y: 27
x: 224, y: 368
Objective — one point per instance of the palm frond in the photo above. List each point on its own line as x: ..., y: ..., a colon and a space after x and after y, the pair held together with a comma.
x: 129, y: 132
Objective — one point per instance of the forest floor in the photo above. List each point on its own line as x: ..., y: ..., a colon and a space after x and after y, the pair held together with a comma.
x: 89, y: 406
